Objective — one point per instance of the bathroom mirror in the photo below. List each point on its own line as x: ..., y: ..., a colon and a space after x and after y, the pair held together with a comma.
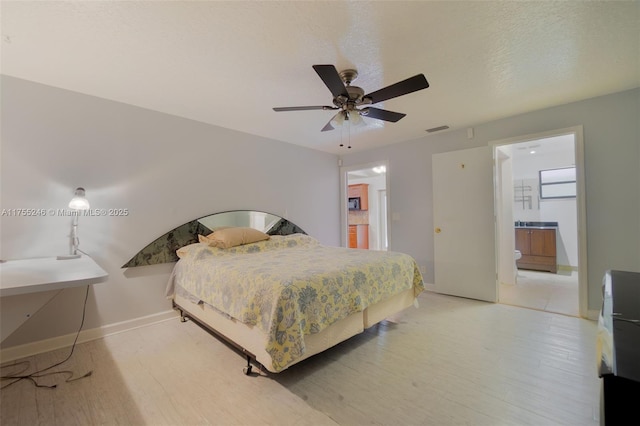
x: 163, y: 249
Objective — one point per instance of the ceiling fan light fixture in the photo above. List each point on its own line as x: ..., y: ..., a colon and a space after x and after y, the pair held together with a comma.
x: 355, y: 119
x: 347, y: 97
x: 338, y: 119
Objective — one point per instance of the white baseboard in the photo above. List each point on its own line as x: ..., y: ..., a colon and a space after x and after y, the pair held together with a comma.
x: 567, y: 268
x: 593, y: 314
x: 430, y: 287
x: 34, y: 348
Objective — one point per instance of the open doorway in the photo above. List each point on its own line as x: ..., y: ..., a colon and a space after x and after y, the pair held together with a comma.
x: 538, y: 205
x: 365, y: 206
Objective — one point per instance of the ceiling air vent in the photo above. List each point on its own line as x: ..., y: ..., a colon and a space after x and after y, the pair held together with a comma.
x: 437, y: 129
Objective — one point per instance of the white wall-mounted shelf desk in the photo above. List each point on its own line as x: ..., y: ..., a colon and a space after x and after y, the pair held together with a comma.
x: 26, y: 285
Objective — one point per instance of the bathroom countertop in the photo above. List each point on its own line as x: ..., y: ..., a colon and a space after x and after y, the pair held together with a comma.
x: 536, y: 225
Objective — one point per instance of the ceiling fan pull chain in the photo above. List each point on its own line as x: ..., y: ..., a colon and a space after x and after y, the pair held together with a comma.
x: 349, y: 130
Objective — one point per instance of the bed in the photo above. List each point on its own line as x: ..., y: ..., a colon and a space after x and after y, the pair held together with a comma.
x: 285, y: 297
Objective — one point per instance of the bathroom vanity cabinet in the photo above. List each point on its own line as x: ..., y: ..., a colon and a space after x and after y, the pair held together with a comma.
x: 538, y: 248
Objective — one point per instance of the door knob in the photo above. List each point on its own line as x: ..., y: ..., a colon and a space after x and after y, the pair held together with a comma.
x: 438, y: 230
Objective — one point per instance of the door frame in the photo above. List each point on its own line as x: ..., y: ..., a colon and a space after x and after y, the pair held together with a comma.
x: 383, y: 221
x: 344, y: 208
x: 577, y: 132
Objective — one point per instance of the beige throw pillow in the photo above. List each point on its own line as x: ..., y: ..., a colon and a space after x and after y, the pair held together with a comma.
x: 232, y: 237
x: 204, y: 239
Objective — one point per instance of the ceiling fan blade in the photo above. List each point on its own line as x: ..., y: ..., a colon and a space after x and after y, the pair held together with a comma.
x: 304, y: 108
x: 328, y: 126
x: 382, y: 114
x: 411, y: 84
x: 331, y: 78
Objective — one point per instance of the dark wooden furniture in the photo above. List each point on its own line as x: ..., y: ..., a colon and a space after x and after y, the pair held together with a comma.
x: 619, y: 330
x: 538, y: 248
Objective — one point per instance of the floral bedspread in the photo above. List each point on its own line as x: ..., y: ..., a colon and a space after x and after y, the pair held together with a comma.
x: 292, y: 285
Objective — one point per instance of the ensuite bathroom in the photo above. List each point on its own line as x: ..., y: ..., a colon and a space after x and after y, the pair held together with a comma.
x: 545, y: 226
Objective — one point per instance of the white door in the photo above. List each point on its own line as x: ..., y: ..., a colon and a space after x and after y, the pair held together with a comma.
x: 464, y: 225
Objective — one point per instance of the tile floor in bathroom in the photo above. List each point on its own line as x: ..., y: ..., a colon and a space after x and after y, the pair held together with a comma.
x: 544, y: 291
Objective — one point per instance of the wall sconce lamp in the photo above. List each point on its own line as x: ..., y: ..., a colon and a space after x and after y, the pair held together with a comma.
x: 78, y: 203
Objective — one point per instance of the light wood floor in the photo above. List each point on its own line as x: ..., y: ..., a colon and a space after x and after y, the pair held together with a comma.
x: 452, y: 361
x: 544, y: 291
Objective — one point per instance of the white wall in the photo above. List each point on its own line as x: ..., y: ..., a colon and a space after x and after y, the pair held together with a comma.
x: 612, y: 167
x: 165, y: 170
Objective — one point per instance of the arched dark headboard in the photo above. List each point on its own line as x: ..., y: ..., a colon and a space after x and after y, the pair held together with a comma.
x: 163, y: 249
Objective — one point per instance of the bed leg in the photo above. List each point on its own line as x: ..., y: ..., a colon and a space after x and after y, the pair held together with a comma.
x: 247, y: 370
x: 183, y: 317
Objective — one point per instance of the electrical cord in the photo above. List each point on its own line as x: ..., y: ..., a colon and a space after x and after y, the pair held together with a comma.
x: 16, y: 377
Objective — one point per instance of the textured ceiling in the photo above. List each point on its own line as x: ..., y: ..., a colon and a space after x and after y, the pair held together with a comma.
x: 229, y: 63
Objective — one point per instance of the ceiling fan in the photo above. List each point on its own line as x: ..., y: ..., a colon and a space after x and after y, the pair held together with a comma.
x: 348, y: 99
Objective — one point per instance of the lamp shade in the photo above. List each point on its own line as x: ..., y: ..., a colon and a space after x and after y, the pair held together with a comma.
x: 338, y: 119
x: 79, y: 201
x: 355, y: 118
x: 352, y: 117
